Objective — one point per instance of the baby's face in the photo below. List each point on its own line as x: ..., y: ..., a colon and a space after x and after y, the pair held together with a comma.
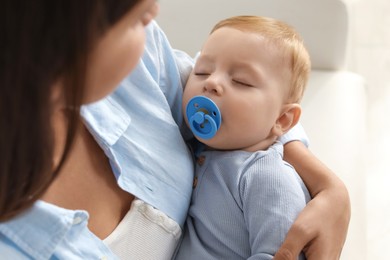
x: 247, y: 78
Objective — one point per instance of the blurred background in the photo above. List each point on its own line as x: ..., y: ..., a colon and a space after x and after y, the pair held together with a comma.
x: 370, y: 57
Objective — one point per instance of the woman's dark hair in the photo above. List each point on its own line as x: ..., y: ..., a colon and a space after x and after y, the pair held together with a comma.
x: 41, y: 42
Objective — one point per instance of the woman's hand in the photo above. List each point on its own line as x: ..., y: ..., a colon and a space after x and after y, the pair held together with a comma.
x: 321, y: 228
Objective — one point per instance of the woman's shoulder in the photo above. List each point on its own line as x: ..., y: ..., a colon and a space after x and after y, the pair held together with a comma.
x: 9, y: 250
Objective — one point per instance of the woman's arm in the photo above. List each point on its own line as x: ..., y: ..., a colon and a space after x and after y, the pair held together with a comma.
x: 321, y: 228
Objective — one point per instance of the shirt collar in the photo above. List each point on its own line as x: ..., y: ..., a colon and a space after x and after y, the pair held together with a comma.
x: 278, y: 147
x: 106, y: 120
x: 40, y: 229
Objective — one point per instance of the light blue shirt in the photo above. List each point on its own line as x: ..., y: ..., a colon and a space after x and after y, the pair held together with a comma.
x: 139, y: 128
x: 243, y: 205
x: 46, y: 231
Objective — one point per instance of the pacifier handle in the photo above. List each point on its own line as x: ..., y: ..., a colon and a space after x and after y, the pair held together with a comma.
x: 203, y: 116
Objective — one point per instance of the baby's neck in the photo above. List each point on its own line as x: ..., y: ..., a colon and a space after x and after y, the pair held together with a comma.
x: 260, y: 146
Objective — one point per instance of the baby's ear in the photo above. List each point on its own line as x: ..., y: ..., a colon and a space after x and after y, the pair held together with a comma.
x: 288, y: 118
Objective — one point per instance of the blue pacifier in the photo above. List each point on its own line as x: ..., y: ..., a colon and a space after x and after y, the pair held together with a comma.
x: 203, y: 117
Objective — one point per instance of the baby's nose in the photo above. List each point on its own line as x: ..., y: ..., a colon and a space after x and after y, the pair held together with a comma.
x: 214, y: 86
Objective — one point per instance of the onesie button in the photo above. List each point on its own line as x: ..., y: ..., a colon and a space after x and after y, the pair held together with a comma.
x: 195, y: 182
x: 201, y: 160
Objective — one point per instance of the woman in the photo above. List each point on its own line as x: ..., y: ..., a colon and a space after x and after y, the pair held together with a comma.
x: 77, y: 190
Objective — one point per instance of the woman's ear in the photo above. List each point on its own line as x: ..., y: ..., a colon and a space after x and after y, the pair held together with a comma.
x: 288, y: 118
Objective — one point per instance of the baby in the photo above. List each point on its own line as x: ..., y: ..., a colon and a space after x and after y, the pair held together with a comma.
x: 242, y: 95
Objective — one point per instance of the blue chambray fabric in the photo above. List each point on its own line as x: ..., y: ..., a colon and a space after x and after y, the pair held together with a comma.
x: 139, y: 127
x: 46, y: 231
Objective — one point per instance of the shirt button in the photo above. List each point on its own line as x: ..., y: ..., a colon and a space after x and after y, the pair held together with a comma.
x: 195, y: 182
x: 201, y: 160
x: 77, y: 220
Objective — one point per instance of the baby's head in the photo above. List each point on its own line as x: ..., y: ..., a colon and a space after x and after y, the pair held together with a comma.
x: 255, y: 69
x: 283, y: 38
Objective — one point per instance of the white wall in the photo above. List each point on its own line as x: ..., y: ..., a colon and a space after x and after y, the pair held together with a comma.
x: 370, y: 57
